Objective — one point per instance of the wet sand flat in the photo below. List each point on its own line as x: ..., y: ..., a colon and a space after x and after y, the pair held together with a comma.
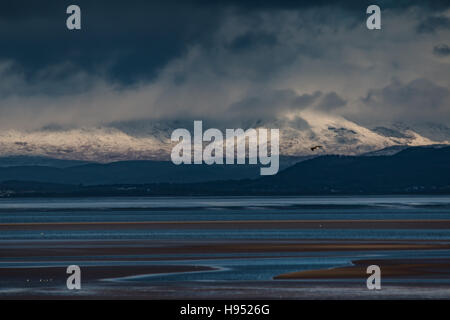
x: 222, y: 253
x: 90, y: 273
x: 390, y: 268
x: 234, y: 224
x: 92, y: 248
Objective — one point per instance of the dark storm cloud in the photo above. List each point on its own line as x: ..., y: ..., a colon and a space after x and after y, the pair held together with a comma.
x: 251, y: 41
x: 433, y: 24
x: 128, y: 39
x: 441, y: 50
x: 352, y: 5
x: 57, y: 80
x: 212, y: 60
x: 132, y: 40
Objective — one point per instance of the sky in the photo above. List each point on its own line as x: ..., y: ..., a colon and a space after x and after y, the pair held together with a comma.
x: 226, y: 61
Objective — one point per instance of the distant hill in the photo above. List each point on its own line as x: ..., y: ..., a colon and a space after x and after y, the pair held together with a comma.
x: 15, y: 161
x: 127, y: 172
x: 415, y: 170
x: 47, y: 170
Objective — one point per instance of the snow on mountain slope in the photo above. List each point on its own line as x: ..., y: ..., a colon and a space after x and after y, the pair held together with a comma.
x: 433, y: 131
x: 151, y: 140
x: 97, y: 144
x: 337, y: 135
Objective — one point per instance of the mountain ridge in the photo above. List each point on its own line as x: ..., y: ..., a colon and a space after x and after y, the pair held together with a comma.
x: 151, y: 140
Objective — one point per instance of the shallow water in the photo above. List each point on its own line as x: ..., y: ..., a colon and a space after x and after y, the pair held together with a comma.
x: 232, y: 266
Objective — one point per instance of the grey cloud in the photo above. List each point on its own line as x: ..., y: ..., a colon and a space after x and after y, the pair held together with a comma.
x: 305, y: 100
x: 433, y: 23
x: 274, y: 104
x: 251, y: 41
x: 139, y: 37
x: 417, y: 101
x: 270, y: 104
x: 441, y: 50
x: 299, y: 123
x: 331, y: 101
x: 55, y: 81
x: 310, y: 59
x: 416, y: 94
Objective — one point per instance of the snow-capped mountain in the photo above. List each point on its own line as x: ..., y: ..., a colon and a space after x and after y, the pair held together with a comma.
x: 151, y: 139
x: 433, y: 131
x: 339, y: 136
x: 90, y: 144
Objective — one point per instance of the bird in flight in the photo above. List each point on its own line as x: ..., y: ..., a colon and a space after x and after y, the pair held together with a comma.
x: 316, y: 147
